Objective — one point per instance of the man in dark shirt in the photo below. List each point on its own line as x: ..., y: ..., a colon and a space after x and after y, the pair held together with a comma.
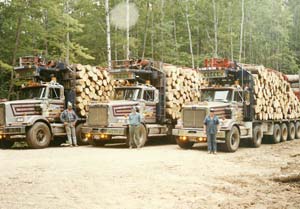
x: 211, y: 128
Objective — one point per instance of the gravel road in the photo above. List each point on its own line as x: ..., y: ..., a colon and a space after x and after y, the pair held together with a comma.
x: 156, y: 176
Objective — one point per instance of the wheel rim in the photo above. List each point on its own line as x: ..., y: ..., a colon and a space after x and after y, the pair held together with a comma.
x: 258, y: 136
x: 40, y: 135
x: 234, y: 138
x: 284, y: 134
x: 292, y: 132
x: 298, y: 130
x: 142, y: 137
x: 277, y: 134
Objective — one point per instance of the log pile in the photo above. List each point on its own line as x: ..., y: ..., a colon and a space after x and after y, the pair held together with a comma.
x: 294, y: 81
x: 92, y: 84
x: 182, y: 87
x: 273, y: 95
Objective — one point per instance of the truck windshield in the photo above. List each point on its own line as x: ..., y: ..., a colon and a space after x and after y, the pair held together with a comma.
x: 127, y: 94
x: 33, y: 93
x: 216, y: 95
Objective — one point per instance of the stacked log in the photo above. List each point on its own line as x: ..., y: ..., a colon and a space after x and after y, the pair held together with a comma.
x: 182, y: 87
x: 92, y: 84
x: 273, y: 95
x: 295, y: 83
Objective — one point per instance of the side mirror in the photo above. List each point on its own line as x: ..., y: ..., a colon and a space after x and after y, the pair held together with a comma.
x: 156, y: 96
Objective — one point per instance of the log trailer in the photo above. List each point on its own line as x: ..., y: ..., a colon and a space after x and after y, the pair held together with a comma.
x: 44, y: 90
x: 229, y: 90
x: 145, y: 89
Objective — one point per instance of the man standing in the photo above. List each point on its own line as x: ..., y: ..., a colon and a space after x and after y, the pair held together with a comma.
x: 134, y: 128
x: 211, y: 128
x: 69, y: 118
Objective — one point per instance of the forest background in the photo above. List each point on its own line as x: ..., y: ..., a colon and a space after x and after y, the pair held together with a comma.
x: 181, y: 32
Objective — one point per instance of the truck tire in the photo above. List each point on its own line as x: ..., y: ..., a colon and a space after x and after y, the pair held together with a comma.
x: 291, y: 131
x: 257, y: 136
x: 81, y: 139
x: 96, y: 143
x: 143, y: 136
x: 38, y: 136
x: 297, y: 130
x: 6, y: 144
x: 184, y: 144
x: 275, y: 138
x: 284, y: 132
x: 232, y: 141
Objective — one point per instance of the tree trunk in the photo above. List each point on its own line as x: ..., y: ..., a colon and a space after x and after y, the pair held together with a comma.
x: 162, y: 33
x: 18, y: 32
x: 127, y: 30
x: 108, y: 34
x: 242, y: 31
x: 146, y: 29
x: 68, y: 36
x: 190, y: 35
x: 215, y: 28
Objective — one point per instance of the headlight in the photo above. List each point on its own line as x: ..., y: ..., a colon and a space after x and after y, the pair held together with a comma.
x: 20, y: 119
x: 121, y: 121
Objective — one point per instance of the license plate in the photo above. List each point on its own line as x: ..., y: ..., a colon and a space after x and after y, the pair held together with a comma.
x: 96, y: 137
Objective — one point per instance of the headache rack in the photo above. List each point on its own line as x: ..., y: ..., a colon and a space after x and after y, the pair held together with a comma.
x: 146, y: 72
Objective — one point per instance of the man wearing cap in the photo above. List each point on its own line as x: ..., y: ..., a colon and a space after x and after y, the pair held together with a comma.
x: 69, y: 118
x: 134, y: 121
x: 211, y: 128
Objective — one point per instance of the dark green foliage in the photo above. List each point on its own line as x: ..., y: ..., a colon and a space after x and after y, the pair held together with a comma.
x: 271, y: 32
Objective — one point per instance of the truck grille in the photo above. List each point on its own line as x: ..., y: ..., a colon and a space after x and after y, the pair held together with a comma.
x: 193, y: 118
x: 98, y: 116
x: 2, y: 115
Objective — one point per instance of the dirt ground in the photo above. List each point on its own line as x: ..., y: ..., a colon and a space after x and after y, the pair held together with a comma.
x: 156, y: 176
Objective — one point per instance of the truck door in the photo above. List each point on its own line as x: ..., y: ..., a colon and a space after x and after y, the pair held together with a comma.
x: 56, y: 103
x: 149, y: 110
x: 238, y: 102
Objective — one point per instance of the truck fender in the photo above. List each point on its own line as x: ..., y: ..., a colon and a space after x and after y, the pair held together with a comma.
x: 228, y: 124
x: 37, y: 118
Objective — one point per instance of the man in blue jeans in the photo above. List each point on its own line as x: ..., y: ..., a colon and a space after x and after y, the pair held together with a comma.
x: 211, y: 128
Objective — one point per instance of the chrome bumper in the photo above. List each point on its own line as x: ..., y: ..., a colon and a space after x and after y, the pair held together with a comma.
x: 12, y: 132
x: 116, y: 131
x: 195, y: 133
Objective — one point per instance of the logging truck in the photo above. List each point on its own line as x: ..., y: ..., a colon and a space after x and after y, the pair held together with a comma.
x: 44, y: 90
x: 251, y: 102
x: 144, y: 88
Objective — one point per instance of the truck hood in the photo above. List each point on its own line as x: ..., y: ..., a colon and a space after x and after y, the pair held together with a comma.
x: 21, y: 107
x: 219, y: 107
x: 120, y: 108
x: 215, y: 105
x: 24, y: 101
